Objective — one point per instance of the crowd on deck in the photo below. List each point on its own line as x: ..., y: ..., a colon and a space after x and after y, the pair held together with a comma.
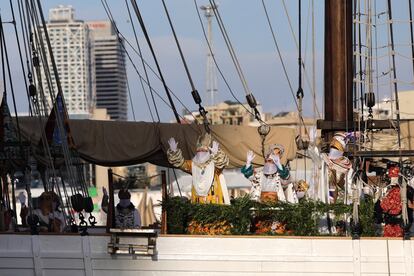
x: 270, y: 183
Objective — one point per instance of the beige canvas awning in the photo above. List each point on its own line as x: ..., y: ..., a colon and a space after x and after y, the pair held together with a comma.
x: 113, y: 143
x: 407, y: 135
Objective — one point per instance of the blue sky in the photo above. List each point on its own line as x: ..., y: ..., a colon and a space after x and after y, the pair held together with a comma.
x: 247, y: 27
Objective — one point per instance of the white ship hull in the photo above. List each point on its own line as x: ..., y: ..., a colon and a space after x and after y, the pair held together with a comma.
x: 50, y: 255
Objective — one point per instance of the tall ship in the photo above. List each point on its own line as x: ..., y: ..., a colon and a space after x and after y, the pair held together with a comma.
x: 348, y: 212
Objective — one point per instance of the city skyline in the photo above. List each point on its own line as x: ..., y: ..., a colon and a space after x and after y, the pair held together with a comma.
x: 250, y: 37
x: 110, y: 70
x: 72, y: 47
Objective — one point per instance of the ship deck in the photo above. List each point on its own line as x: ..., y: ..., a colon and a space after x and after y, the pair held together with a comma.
x: 46, y: 254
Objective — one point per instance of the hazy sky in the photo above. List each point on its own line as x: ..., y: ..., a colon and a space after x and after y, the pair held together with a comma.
x: 248, y: 30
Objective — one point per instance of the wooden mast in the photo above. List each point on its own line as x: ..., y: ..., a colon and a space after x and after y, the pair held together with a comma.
x: 338, y: 76
x: 338, y: 80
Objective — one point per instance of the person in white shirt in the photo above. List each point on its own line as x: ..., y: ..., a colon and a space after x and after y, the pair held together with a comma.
x: 50, y: 218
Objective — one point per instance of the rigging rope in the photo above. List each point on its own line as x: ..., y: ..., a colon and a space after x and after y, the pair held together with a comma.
x: 376, y: 53
x: 397, y: 107
x: 279, y: 53
x: 40, y: 44
x: 354, y: 64
x: 107, y: 10
x: 299, y: 93
x: 297, y: 46
x: 130, y: 98
x: 143, y: 65
x: 144, y: 30
x: 216, y: 63
x: 5, y: 60
x: 24, y: 24
x: 24, y: 27
x: 68, y: 157
x: 249, y: 95
x: 36, y: 60
x: 361, y: 92
x: 230, y: 47
x: 114, y: 26
x: 33, y: 86
x: 20, y: 54
x: 307, y: 34
x: 410, y: 10
x: 194, y: 92
x: 153, y: 90
x: 156, y: 75
x: 301, y: 143
x: 187, y: 71
x: 273, y: 33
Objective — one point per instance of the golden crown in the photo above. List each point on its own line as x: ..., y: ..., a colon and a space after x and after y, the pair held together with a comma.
x: 203, y: 141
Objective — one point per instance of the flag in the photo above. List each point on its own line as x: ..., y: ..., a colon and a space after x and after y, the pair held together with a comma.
x: 52, y: 131
x: 8, y: 133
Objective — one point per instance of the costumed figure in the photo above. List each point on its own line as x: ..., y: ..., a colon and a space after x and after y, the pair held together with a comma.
x: 270, y: 182
x: 49, y: 217
x: 209, y: 185
x: 339, y: 167
x: 301, y: 188
x: 126, y: 215
x: 389, y: 209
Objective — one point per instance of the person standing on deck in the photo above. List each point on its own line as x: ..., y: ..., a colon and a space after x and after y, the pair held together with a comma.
x: 270, y: 182
x: 209, y: 185
x: 126, y: 215
x: 49, y: 217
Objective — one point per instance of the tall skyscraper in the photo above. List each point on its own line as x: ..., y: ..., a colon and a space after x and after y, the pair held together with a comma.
x: 72, y: 50
x: 111, y: 86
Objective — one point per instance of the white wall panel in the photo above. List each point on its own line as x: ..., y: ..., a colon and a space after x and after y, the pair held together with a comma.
x: 184, y: 255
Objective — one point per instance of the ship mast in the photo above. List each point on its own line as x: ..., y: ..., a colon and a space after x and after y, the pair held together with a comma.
x: 338, y: 66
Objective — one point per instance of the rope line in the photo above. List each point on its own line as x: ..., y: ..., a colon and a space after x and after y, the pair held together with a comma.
x: 142, y: 78
x: 143, y: 63
x: 194, y: 91
x: 144, y: 30
x: 216, y: 63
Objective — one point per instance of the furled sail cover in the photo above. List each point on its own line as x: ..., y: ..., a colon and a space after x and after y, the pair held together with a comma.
x: 113, y: 143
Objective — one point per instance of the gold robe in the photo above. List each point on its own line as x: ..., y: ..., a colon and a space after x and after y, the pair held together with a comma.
x: 217, y: 192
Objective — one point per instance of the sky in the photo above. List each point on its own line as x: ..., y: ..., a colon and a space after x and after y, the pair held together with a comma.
x: 249, y: 33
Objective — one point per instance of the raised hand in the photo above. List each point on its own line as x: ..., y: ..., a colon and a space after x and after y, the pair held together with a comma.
x: 249, y: 158
x: 173, y: 144
x: 276, y: 159
x: 214, y: 149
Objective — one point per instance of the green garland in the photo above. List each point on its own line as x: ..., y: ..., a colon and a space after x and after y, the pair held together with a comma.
x: 366, y: 216
x: 300, y: 219
x: 178, y: 209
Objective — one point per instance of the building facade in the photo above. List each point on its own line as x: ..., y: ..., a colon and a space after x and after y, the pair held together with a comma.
x: 227, y: 113
x: 110, y: 66
x: 72, y: 50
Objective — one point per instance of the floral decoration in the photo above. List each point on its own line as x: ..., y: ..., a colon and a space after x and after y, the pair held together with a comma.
x: 391, y: 203
x: 393, y: 230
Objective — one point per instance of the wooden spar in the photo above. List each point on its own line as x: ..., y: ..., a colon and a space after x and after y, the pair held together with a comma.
x: 164, y: 198
x: 338, y: 77
x: 111, y: 208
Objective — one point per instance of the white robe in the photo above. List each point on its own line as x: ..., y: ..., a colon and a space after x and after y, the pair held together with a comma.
x: 261, y: 183
x: 203, y: 178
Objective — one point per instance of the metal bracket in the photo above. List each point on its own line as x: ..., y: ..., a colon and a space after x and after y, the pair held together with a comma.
x: 138, y: 242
